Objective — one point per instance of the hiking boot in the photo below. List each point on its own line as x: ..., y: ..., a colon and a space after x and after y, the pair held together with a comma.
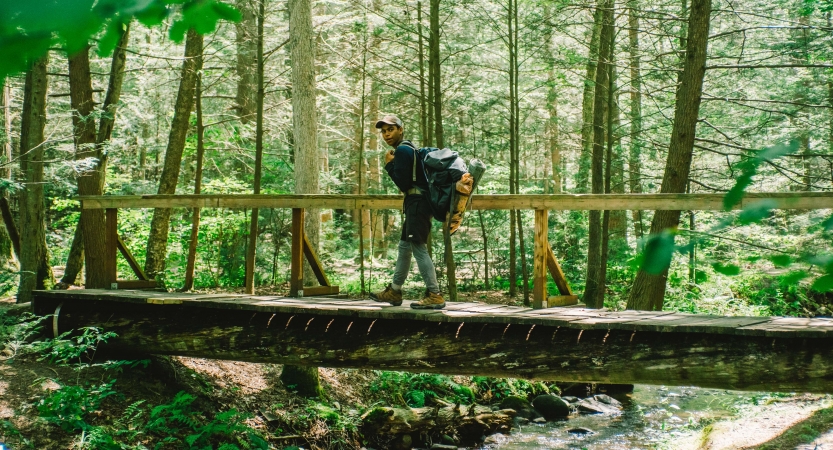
x: 389, y: 294
x: 430, y: 301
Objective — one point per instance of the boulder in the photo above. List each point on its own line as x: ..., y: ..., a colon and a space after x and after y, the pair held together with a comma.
x: 540, y: 420
x: 593, y: 406
x: 608, y: 400
x: 552, y: 407
x: 581, y: 431
x: 495, y: 439
x: 569, y: 399
x: 521, y: 406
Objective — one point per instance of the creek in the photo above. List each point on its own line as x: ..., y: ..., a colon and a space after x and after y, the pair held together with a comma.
x: 652, y: 417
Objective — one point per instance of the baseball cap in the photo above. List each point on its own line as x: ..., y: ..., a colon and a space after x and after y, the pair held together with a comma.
x: 390, y: 120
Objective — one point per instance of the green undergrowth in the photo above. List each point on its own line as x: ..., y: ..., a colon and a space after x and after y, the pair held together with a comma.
x: 76, y: 404
x: 418, y: 390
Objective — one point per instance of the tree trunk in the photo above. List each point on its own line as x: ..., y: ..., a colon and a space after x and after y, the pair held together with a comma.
x: 595, y: 284
x: 649, y: 289
x: 635, y: 156
x: 513, y: 221
x: 7, y: 256
x: 247, y: 42
x: 35, y: 271
x: 375, y: 176
x: 159, y: 227
x: 82, y: 103
x: 425, y: 111
x: 618, y: 218
x: 587, y: 102
x: 191, y: 262
x: 434, y: 56
x: 304, y: 125
x: 251, y: 248
x: 91, y: 221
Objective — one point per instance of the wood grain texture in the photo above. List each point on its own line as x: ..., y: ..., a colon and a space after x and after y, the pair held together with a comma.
x: 755, y: 353
x: 559, y: 202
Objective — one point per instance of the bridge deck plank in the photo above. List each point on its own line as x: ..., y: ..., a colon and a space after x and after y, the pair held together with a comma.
x: 476, y: 312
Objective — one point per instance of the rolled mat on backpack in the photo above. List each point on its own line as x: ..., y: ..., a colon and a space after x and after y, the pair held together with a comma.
x: 464, y: 188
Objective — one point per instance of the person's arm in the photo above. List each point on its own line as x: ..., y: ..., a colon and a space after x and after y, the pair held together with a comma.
x: 401, y: 169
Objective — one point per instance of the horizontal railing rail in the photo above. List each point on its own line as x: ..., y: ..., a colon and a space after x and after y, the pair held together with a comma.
x: 554, y: 202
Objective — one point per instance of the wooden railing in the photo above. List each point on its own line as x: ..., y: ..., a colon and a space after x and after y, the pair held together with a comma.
x: 543, y: 258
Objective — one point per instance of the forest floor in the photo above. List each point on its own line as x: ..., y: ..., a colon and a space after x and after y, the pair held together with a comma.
x: 40, y: 410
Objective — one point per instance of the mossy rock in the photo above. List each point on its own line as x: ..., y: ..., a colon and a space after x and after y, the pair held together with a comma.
x: 552, y: 407
x: 521, y: 406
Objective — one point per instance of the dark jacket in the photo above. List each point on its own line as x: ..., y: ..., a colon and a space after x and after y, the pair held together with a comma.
x: 401, y: 169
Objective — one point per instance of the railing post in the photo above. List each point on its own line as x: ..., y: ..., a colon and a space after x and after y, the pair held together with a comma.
x: 539, y: 269
x: 111, y: 247
x: 296, y: 265
x: 251, y: 252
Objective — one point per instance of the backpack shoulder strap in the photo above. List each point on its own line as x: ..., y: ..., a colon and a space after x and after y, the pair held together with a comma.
x: 416, y: 152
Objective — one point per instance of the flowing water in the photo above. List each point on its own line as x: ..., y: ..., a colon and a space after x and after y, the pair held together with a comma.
x: 653, y: 417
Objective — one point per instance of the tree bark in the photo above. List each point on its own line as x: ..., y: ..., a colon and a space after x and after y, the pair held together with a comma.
x: 542, y: 352
x: 91, y: 221
x: 251, y: 248
x: 304, y: 125
x: 35, y: 271
x: 159, y: 227
x: 8, y: 251
x: 82, y: 104
x: 635, y: 155
x: 424, y: 106
x: 649, y: 289
x: 434, y: 56
x: 191, y: 262
x: 587, y: 102
x: 247, y: 41
x: 595, y: 284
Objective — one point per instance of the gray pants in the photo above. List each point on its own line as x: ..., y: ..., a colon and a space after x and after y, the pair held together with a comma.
x: 423, y: 259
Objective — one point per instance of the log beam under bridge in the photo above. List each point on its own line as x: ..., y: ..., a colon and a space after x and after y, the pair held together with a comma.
x: 564, y: 344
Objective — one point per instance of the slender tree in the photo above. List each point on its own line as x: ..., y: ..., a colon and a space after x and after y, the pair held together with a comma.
x: 191, y: 261
x: 9, y: 249
x: 35, y: 271
x: 648, y: 289
x: 247, y: 40
x: 595, y: 284
x: 636, y: 139
x: 304, y: 126
x: 158, y: 240
x: 588, y: 102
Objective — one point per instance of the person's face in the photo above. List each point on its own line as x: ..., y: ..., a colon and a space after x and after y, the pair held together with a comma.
x: 392, y: 134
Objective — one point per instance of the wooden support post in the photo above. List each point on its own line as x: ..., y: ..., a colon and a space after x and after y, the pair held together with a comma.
x: 251, y: 254
x: 315, y: 264
x: 557, y: 273
x: 296, y: 265
x: 539, y: 270
x: 111, y: 247
x: 137, y: 269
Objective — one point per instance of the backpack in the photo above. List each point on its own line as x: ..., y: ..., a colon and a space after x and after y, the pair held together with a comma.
x: 443, y: 169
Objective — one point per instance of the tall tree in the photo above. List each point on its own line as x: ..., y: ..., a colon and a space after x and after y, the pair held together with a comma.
x: 648, y: 289
x: 251, y: 249
x: 304, y: 126
x: 587, y: 101
x: 595, y: 283
x: 247, y: 53
x: 158, y: 239
x: 35, y: 271
x: 89, y: 143
x: 635, y: 154
x: 9, y: 249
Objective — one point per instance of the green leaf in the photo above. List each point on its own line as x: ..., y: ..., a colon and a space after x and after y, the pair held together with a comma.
x: 726, y: 269
x: 792, y: 278
x: 735, y: 194
x: 227, y: 12
x: 828, y: 223
x: 111, y: 37
x: 659, y: 249
x: 823, y: 284
x: 756, y: 212
x: 700, y: 276
x: 781, y: 260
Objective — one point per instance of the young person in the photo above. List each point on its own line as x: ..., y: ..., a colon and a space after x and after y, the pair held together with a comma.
x: 407, y: 173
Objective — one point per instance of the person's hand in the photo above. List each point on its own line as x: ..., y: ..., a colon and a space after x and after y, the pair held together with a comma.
x: 389, y: 156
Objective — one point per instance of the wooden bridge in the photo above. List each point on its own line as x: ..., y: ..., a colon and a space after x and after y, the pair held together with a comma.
x: 570, y: 344
x: 575, y: 344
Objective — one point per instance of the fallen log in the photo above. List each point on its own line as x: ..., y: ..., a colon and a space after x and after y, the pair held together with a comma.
x: 492, y: 349
x: 395, y: 427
